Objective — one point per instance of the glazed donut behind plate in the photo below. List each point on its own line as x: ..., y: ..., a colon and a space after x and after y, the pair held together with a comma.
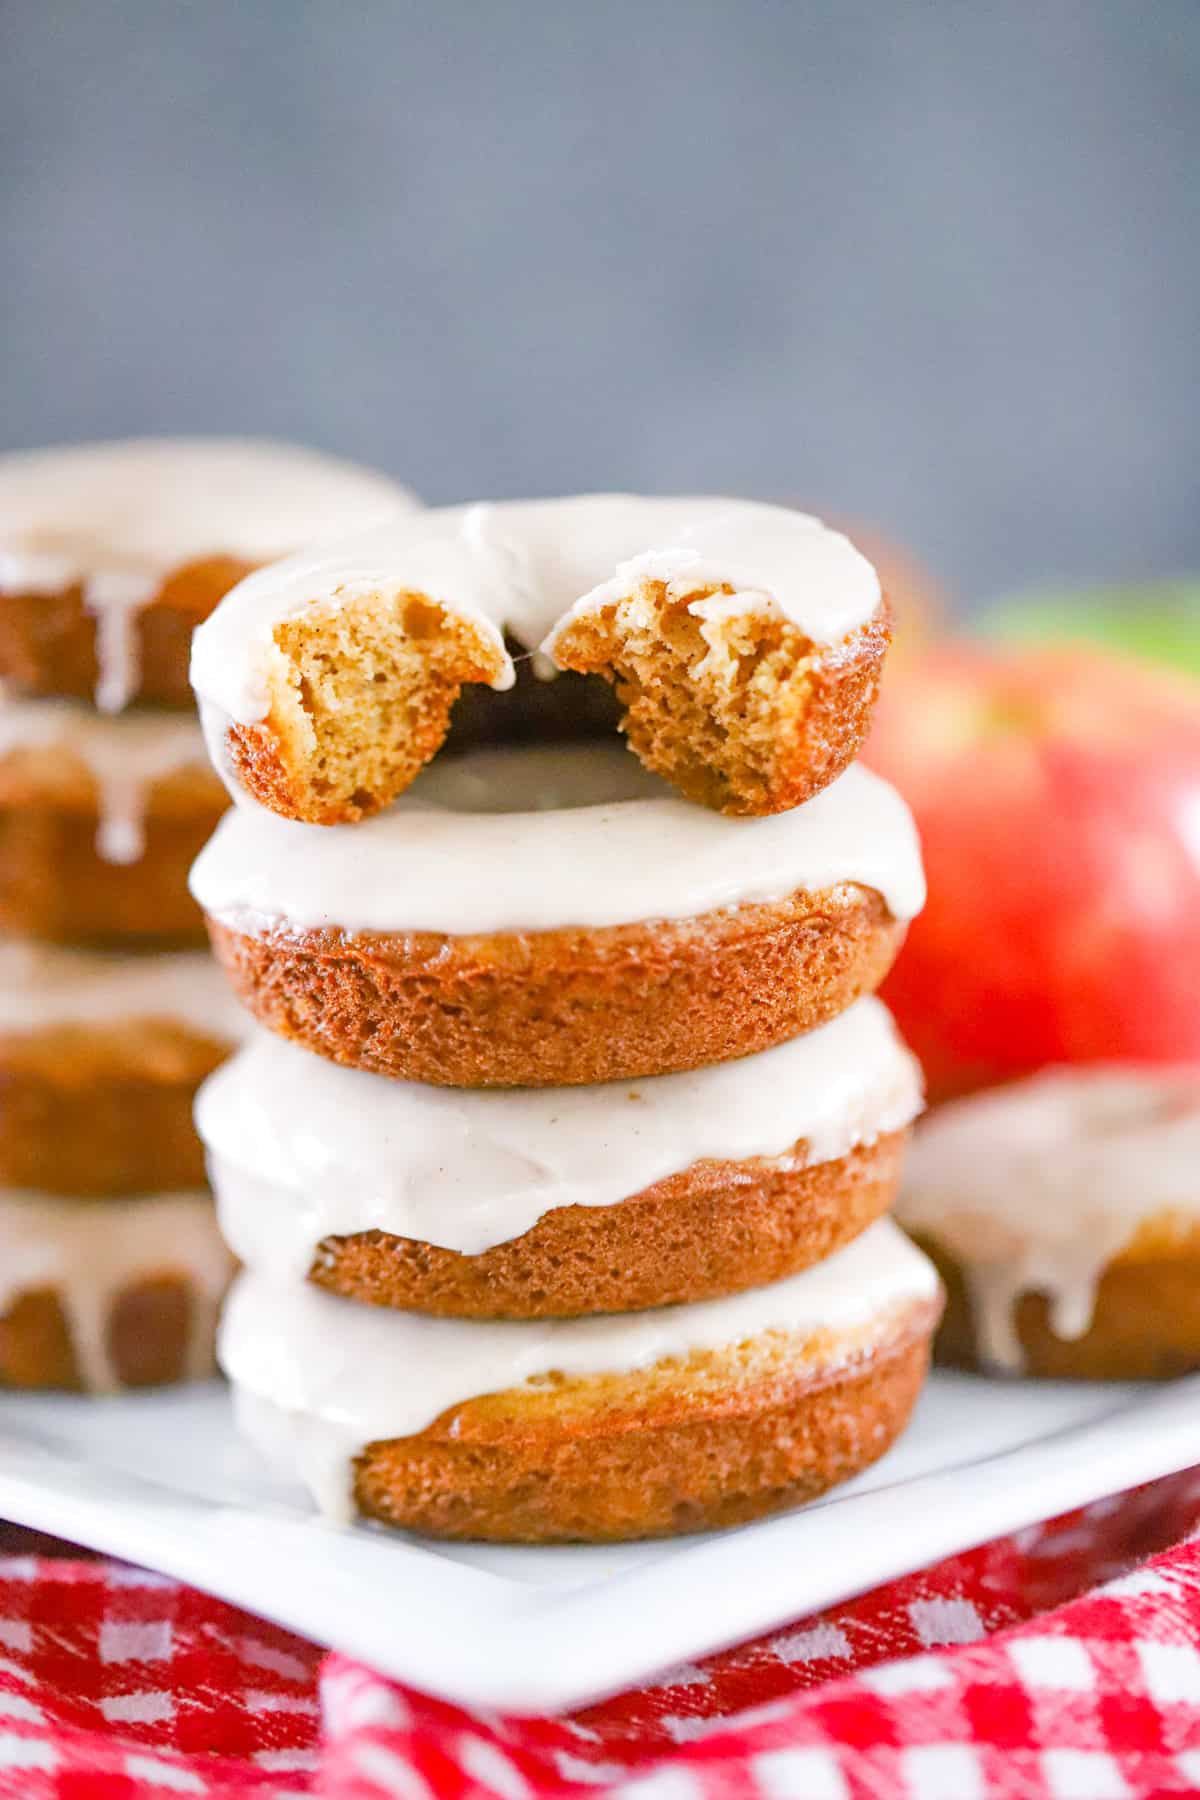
x: 547, y: 917
x: 1064, y: 1214
x: 744, y: 643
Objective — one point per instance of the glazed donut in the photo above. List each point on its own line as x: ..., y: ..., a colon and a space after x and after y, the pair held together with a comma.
x: 605, y: 931
x: 110, y: 554
x: 680, y: 1419
x: 100, y: 1059
x: 744, y: 643
x: 1064, y: 1212
x: 100, y: 820
x: 96, y: 1295
x: 542, y: 1203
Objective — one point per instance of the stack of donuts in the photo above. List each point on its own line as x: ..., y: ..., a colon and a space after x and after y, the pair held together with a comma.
x: 560, y: 1173
x: 111, y: 1010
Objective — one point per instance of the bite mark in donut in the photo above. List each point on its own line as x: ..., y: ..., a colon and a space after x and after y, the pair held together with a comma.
x: 360, y: 700
x: 738, y: 710
x: 744, y: 644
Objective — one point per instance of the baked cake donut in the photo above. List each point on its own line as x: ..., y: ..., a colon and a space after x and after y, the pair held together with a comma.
x: 100, y: 820
x: 744, y: 644
x: 1064, y: 1213
x: 96, y: 1295
x: 544, y: 1203
x: 100, y: 1059
x: 529, y: 917
x: 110, y: 554
x: 678, y: 1419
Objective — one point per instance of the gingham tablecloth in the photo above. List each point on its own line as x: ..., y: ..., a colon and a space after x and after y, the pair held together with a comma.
x: 1059, y: 1664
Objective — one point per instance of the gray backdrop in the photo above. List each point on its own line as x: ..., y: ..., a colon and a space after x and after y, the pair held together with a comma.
x: 934, y: 263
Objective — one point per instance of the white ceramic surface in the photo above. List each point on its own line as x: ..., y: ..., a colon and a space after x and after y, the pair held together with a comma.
x: 161, y: 1479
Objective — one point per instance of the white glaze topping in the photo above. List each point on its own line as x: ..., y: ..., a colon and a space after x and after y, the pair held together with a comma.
x: 525, y: 565
x: 301, y: 1149
x: 120, y: 517
x: 90, y: 1251
x: 124, y: 756
x: 42, y: 985
x: 1038, y: 1186
x: 349, y: 1374
x: 445, y: 858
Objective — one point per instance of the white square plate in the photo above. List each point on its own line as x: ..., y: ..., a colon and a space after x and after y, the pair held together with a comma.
x: 162, y: 1480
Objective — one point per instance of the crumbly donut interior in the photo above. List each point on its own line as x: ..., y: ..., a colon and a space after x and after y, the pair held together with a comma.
x: 730, y: 702
x: 709, y: 696
x: 361, y: 697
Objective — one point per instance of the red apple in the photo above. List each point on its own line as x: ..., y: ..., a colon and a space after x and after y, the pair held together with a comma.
x: 1057, y: 793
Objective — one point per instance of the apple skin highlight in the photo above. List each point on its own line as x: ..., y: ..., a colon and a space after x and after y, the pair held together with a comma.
x: 1057, y: 793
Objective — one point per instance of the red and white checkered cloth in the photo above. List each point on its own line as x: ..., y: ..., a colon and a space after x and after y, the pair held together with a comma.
x: 1059, y: 1664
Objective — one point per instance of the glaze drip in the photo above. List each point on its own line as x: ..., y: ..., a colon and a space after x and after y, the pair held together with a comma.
x: 91, y: 1251
x: 116, y: 519
x: 1036, y: 1187
x: 125, y: 757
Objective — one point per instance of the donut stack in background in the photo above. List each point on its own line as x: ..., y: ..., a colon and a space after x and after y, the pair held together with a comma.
x: 111, y: 1267
x: 560, y: 1176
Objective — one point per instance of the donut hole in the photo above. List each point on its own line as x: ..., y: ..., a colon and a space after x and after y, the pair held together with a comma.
x: 543, y: 706
x: 361, y: 698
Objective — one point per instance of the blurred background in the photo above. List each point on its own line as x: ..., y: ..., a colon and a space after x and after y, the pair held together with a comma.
x: 927, y: 266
